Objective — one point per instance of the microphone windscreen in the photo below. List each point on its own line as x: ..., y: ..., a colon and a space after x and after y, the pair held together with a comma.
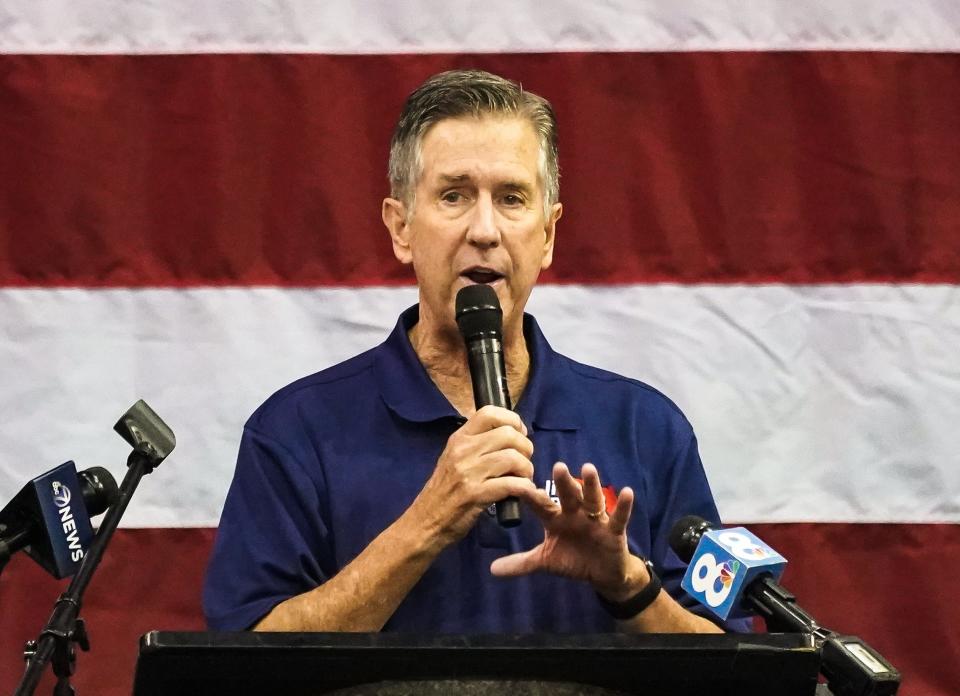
x: 478, y: 312
x: 686, y: 534
x: 146, y: 432
x: 99, y: 489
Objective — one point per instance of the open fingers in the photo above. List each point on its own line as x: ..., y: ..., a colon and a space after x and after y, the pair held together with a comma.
x: 594, y: 502
x: 568, y: 489
x: 590, y: 497
x: 621, y: 513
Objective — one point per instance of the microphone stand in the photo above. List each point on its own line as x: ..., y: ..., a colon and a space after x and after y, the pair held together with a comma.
x: 14, y: 542
x: 850, y: 666
x: 65, y: 627
x: 780, y: 610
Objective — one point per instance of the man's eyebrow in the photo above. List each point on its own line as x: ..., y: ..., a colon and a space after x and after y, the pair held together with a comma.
x: 517, y: 185
x: 510, y: 185
x: 454, y: 178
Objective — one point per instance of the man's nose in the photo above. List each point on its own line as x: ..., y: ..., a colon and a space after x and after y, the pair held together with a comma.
x: 483, y: 230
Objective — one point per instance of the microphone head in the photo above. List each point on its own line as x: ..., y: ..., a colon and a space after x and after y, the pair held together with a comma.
x: 685, y: 535
x: 99, y: 489
x: 146, y: 432
x: 478, y: 312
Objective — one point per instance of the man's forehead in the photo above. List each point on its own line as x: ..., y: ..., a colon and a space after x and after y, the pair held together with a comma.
x: 493, y: 121
x: 456, y: 149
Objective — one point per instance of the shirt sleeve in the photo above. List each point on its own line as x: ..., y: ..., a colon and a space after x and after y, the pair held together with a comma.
x: 685, y: 492
x: 272, y: 542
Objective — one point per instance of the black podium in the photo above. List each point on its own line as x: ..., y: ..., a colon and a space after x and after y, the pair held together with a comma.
x: 393, y: 664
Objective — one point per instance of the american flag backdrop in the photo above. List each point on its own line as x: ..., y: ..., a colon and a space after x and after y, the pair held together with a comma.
x: 762, y: 219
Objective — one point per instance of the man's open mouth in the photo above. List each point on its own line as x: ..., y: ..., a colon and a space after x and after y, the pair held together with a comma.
x: 482, y: 275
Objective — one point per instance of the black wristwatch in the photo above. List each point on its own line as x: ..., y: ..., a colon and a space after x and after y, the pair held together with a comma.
x: 623, y: 611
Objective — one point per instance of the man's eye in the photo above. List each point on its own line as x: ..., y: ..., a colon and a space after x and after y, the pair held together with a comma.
x: 513, y: 199
x: 451, y: 197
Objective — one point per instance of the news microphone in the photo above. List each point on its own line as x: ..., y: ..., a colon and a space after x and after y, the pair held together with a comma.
x: 734, y: 574
x: 50, y: 517
x: 480, y: 321
x: 723, y: 565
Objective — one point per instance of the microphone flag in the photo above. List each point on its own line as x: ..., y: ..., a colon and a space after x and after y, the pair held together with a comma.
x: 725, y: 562
x: 53, y: 501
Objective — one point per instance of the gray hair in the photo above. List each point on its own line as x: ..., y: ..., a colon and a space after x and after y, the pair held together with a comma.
x: 458, y: 93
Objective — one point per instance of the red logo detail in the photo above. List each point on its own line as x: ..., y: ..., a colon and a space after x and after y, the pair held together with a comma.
x: 609, y: 497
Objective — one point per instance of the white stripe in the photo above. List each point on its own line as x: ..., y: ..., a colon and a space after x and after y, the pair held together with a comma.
x: 825, y: 403
x: 431, y: 26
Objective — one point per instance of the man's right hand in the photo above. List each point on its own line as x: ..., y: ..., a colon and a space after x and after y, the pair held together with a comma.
x: 486, y: 460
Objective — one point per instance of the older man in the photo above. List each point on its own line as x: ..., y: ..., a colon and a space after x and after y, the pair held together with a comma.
x: 362, y: 493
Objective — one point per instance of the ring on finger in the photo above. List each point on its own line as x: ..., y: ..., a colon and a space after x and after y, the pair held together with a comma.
x: 594, y: 515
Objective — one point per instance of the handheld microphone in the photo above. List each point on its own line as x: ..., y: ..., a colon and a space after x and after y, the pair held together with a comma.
x: 734, y: 574
x: 480, y: 320
x: 50, y: 517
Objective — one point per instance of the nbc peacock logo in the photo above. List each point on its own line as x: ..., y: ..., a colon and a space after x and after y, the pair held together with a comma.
x: 728, y: 571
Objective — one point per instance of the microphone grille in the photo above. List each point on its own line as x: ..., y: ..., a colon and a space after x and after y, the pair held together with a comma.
x: 478, y: 311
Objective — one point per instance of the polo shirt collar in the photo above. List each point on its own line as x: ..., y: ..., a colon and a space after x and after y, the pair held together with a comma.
x: 404, y: 383
x: 548, y: 402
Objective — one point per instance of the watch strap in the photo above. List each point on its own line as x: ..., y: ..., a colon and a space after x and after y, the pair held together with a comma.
x: 623, y: 611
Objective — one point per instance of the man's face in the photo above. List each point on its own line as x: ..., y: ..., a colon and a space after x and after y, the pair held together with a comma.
x: 478, y: 216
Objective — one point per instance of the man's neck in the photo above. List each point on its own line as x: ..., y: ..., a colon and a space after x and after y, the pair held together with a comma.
x: 443, y: 354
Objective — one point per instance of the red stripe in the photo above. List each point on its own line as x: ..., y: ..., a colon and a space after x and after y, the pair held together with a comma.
x: 269, y: 169
x: 890, y: 584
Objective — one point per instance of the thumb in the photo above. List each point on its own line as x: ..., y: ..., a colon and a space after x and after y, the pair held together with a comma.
x: 515, y: 564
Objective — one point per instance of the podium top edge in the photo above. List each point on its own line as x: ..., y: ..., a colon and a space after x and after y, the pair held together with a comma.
x: 166, y: 640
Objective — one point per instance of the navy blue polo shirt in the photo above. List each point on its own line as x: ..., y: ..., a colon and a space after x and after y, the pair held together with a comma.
x: 330, y: 461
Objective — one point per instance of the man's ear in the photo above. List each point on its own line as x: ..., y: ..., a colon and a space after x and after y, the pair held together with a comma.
x: 394, y: 214
x: 550, y: 233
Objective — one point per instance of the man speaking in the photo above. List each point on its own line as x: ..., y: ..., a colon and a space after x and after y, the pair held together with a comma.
x: 363, y: 495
